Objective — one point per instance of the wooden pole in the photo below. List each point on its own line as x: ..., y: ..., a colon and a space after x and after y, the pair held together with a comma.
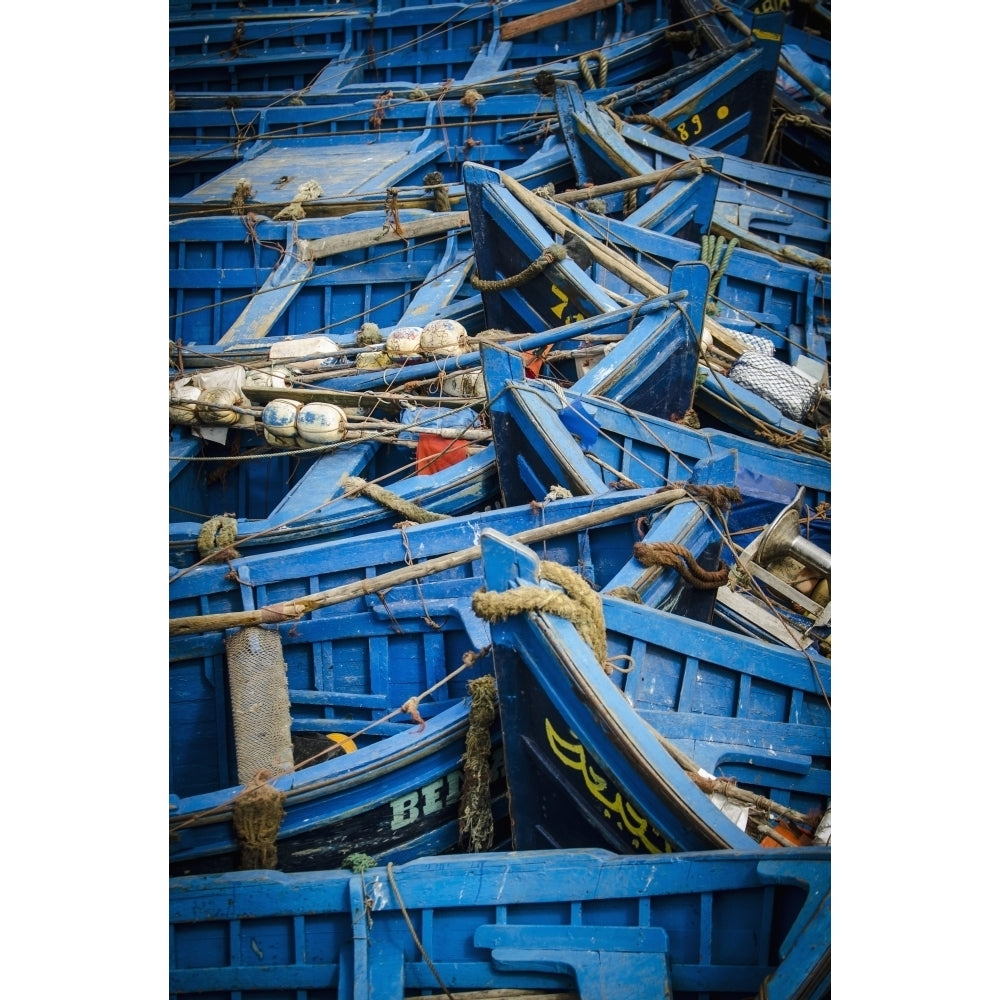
x: 686, y: 168
x: 615, y: 261
x: 532, y: 22
x: 290, y: 610
x: 430, y: 226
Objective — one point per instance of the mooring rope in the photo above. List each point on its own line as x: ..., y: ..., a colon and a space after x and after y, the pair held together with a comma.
x: 550, y: 255
x: 579, y: 604
x: 656, y: 122
x: 717, y: 253
x: 475, y: 811
x: 354, y: 485
x: 413, y: 931
x: 678, y: 557
x: 434, y: 182
x: 602, y: 69
x: 257, y: 817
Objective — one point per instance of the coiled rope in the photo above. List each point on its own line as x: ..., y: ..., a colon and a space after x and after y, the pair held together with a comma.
x: 579, y: 604
x: 550, y: 255
x: 216, y: 538
x: 677, y: 557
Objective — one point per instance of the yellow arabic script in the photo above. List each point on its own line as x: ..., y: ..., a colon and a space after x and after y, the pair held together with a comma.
x: 574, y: 757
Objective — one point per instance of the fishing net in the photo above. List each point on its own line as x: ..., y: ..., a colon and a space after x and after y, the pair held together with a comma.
x: 262, y: 720
x: 793, y: 393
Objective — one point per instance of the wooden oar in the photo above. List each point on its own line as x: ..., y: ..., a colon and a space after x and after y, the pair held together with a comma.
x: 290, y: 610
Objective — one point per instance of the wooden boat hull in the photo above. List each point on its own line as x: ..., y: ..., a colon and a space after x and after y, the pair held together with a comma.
x: 775, y: 313
x: 579, y: 921
x: 284, y: 497
x: 350, y: 665
x: 587, y: 444
x: 591, y: 760
x: 433, y: 46
x: 771, y: 208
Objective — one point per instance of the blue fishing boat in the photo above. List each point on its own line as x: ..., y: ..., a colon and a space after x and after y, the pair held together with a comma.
x: 346, y: 155
x: 366, y: 51
x: 764, y: 342
x: 706, y: 925
x: 545, y: 435
x: 395, y: 454
x: 643, y: 731
x: 280, y: 662
x: 776, y: 210
x: 798, y: 134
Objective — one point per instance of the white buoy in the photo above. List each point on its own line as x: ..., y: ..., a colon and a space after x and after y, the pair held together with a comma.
x: 446, y: 337
x: 278, y: 420
x: 320, y: 423
x: 182, y: 403
x: 209, y: 399
x: 403, y: 341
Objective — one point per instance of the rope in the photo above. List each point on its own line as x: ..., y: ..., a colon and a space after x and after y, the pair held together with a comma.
x: 550, y: 255
x: 579, y: 605
x: 720, y: 497
x: 602, y: 69
x: 413, y: 932
x: 216, y: 538
x: 683, y: 560
x: 355, y: 484
x: 475, y: 812
x: 660, y: 123
x: 434, y: 182
x: 717, y: 253
x: 801, y: 120
x: 242, y: 193
x: 545, y: 82
x: 257, y: 818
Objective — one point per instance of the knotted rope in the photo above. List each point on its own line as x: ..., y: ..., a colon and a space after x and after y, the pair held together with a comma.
x: 602, y: 69
x: 470, y: 99
x: 720, y: 497
x: 550, y: 255
x: 242, y: 193
x: 579, y: 604
x: 545, y: 82
x: 354, y: 485
x: 216, y: 538
x: 683, y: 560
x: 257, y: 817
x: 434, y: 182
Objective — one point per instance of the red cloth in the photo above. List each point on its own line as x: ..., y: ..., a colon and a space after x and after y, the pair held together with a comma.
x: 435, y: 453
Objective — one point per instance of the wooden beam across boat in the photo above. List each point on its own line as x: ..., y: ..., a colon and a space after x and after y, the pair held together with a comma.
x: 534, y: 22
x: 291, y: 610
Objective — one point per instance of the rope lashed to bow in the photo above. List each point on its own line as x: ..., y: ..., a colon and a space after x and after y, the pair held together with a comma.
x: 550, y: 255
x: 577, y: 603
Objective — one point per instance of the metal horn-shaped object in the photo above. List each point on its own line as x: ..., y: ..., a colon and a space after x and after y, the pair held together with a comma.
x: 782, y: 538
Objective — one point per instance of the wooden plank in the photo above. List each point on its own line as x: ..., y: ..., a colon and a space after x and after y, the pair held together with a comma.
x: 294, y: 609
x: 328, y: 246
x: 514, y: 29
